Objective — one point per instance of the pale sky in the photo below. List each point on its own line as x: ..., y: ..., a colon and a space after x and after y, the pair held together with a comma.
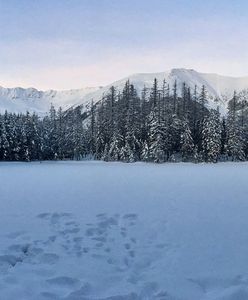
x: 65, y: 44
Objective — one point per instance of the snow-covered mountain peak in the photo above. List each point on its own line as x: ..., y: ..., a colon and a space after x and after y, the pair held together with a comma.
x: 218, y: 87
x: 20, y: 100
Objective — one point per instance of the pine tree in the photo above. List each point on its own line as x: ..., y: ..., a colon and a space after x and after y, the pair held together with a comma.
x: 211, y: 137
x: 61, y: 131
x: 4, y: 143
x: 145, y: 152
x: 175, y: 108
x: 187, y: 143
x: 115, y: 145
x: 235, y: 143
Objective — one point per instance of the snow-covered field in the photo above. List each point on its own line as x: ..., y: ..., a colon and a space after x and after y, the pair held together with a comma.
x: 94, y: 230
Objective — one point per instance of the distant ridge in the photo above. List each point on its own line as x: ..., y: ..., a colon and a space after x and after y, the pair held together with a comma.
x: 220, y: 88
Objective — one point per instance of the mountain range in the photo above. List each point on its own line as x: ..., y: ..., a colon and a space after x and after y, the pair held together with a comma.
x: 219, y: 88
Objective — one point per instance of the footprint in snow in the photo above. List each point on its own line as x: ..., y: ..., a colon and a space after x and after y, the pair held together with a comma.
x: 44, y: 216
x: 10, y: 260
x: 63, y: 281
x: 49, y: 296
x: 15, y: 234
x: 83, y: 291
x: 48, y: 258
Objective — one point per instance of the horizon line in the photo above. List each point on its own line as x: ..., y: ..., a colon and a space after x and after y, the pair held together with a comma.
x: 122, y: 78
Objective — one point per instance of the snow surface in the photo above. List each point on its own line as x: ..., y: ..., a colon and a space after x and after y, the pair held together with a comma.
x: 221, y: 87
x: 115, y: 231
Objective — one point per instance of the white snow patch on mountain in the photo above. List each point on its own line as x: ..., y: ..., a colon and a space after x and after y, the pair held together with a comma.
x: 21, y: 100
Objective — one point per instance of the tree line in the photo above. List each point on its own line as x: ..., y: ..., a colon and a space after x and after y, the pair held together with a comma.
x: 156, y: 126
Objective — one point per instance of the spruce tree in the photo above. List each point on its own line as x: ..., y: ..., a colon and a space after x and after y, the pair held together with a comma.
x: 211, y: 137
x: 187, y: 143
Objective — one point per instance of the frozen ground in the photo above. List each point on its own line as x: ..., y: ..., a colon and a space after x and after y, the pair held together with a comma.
x: 94, y: 230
